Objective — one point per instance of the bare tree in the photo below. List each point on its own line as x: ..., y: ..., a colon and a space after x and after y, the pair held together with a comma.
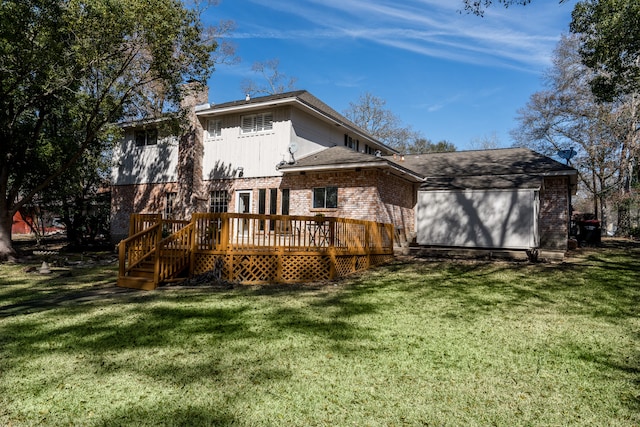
x: 486, y: 142
x: 604, y: 136
x: 370, y: 114
x: 274, y: 81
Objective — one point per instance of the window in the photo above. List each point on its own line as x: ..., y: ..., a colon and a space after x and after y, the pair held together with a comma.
x: 219, y: 201
x: 325, y: 197
x: 257, y: 122
x: 285, y: 201
x: 146, y: 137
x: 352, y: 143
x: 262, y: 202
x: 169, y: 205
x: 214, y: 127
x: 273, y: 206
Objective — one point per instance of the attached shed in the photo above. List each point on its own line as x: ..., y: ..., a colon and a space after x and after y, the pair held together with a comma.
x: 493, y: 199
x: 479, y: 212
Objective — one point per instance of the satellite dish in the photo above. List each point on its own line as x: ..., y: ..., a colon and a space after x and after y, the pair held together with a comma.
x: 293, y: 147
x: 567, y: 154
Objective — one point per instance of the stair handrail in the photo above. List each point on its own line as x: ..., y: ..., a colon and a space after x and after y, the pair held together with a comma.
x: 147, y: 240
x: 165, y: 264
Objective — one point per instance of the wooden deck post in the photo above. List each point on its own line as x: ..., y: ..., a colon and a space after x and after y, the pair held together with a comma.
x: 193, y: 244
x: 333, y: 271
x: 156, y: 264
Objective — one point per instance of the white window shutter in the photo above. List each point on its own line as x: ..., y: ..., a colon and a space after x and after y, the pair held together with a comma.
x: 268, y: 121
x: 247, y: 124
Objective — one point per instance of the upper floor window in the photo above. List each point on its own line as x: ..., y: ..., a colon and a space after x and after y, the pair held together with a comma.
x: 257, y: 122
x: 325, y: 197
x: 146, y: 137
x: 214, y: 127
x: 352, y: 143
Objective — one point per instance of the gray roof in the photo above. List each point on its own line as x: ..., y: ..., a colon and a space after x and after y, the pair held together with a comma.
x: 483, y: 169
x: 259, y: 99
x: 338, y: 157
x: 506, y: 161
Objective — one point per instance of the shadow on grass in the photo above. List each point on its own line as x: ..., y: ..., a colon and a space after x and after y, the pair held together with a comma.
x: 22, y: 292
x: 239, y: 327
x: 191, y: 416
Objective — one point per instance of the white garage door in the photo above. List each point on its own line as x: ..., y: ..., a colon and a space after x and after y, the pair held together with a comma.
x: 478, y: 218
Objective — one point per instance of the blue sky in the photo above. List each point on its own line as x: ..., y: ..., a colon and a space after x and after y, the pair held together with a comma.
x: 449, y: 75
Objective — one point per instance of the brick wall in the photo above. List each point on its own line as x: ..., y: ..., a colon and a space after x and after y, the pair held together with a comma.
x: 398, y: 205
x: 366, y: 195
x: 128, y: 199
x: 554, y: 214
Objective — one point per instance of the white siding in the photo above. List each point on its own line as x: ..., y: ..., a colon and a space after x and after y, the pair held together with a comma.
x: 478, y: 218
x: 146, y: 164
x: 256, y: 153
x: 312, y: 134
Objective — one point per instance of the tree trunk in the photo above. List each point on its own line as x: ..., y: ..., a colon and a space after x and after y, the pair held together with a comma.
x: 7, y: 253
x: 624, y: 219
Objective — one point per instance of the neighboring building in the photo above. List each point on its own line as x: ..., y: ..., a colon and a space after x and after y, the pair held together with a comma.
x: 21, y: 224
x: 292, y: 154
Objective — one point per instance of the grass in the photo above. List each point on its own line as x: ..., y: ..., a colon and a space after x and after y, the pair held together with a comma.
x: 411, y: 343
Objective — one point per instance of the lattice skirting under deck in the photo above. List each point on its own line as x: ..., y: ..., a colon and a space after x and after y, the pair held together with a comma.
x: 279, y: 268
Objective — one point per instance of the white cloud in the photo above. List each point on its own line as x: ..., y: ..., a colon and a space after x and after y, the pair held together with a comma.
x: 434, y: 28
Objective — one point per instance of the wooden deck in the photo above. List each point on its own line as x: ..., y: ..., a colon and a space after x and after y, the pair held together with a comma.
x: 250, y: 249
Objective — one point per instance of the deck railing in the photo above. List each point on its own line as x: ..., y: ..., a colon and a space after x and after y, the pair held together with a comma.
x: 138, y: 248
x: 285, y: 233
x: 250, y: 248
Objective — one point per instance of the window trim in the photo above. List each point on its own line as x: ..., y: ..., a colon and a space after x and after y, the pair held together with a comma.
x: 219, y: 201
x: 150, y: 137
x: 170, y: 199
x: 256, y: 126
x: 285, y: 204
x: 325, y: 190
x: 217, y: 128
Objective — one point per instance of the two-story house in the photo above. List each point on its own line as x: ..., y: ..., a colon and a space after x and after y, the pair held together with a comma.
x: 292, y: 154
x: 241, y: 165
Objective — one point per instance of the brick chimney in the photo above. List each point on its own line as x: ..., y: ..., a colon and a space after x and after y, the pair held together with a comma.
x: 190, y: 153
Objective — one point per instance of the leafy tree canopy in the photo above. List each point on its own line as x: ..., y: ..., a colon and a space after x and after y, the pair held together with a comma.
x: 477, y: 7
x: 611, y: 44
x: 423, y: 146
x: 70, y: 68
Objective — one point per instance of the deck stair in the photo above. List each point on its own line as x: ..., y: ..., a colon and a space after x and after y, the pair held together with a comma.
x: 139, y: 277
x: 148, y: 258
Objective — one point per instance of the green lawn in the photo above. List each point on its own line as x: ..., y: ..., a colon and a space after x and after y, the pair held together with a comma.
x: 411, y: 343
